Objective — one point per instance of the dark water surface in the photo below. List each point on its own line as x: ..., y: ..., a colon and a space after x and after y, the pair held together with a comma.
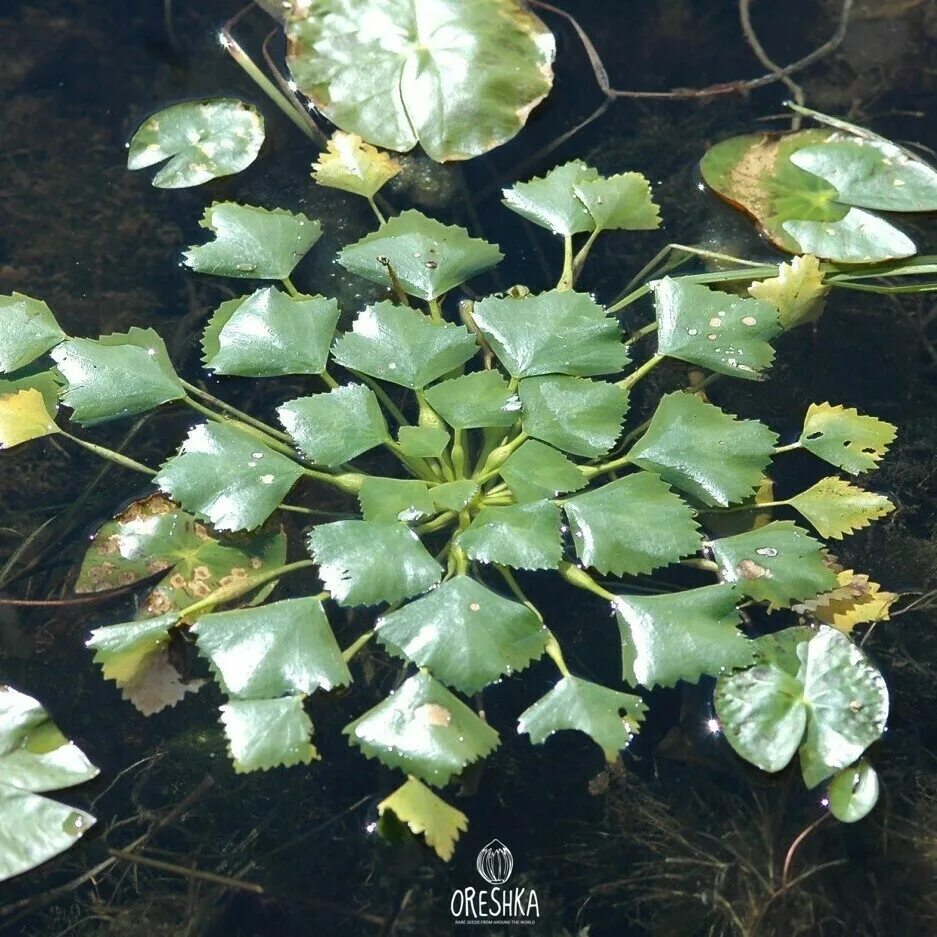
x: 680, y: 839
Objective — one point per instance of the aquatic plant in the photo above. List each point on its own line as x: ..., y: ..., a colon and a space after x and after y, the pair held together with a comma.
x: 504, y: 423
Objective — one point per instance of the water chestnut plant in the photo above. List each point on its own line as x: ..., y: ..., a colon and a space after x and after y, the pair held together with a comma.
x: 508, y: 445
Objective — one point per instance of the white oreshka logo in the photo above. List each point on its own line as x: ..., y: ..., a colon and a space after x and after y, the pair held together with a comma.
x: 495, y: 905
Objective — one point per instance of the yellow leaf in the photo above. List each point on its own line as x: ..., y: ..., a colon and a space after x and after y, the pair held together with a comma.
x: 354, y: 166
x: 856, y: 601
x: 836, y: 507
x: 424, y: 812
x: 23, y: 416
x: 797, y: 291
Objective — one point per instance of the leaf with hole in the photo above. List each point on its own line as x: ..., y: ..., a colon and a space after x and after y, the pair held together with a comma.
x: 427, y: 257
x: 725, y: 333
x: 632, y: 525
x: 267, y: 733
x: 352, y: 165
x: 333, y: 427
x: 610, y: 718
x: 853, y: 792
x: 524, y: 536
x: 681, y: 635
x: 368, y: 562
x: 835, y: 507
x: 424, y: 730
x: 575, y: 414
x: 202, y: 140
x: 227, y: 477
x: 269, y: 334
x: 845, y: 438
x: 457, y: 78
x: 778, y: 564
x: 464, y: 634
x: 558, y: 332
x: 426, y: 813
x: 536, y: 471
x: 272, y: 650
x: 116, y: 375
x: 251, y: 242
x: 703, y: 451
x: 401, y: 345
x: 28, y: 329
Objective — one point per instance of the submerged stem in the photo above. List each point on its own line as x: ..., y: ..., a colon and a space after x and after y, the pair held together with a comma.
x: 628, y: 382
x: 356, y: 646
x: 234, y: 411
x: 116, y: 457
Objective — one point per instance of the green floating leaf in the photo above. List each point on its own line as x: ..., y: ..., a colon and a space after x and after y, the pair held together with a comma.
x: 845, y: 438
x: 778, y: 564
x: 524, y: 536
x: 424, y: 730
x: 394, y: 499
x: 427, y: 257
x: 622, y: 202
x: 552, y: 201
x: 269, y: 334
x: 126, y: 651
x: 425, y: 813
x: 464, y: 634
x: 116, y: 375
x: 155, y: 536
x: 797, y: 291
x: 201, y: 139
x: 334, y: 427
x: 536, y: 471
x: 632, y: 525
x: 854, y: 792
x: 610, y: 718
x: 422, y: 442
x: 558, y: 332
x: 812, y: 690
x: 835, y: 507
x: 23, y: 417
x: 401, y: 345
x: 453, y: 496
x: 251, y: 242
x: 27, y: 330
x: 36, y: 757
x: 681, y: 635
x: 352, y: 165
x: 475, y: 400
x: 47, y: 382
x: 458, y: 78
x: 367, y: 562
x: 282, y: 648
x: 227, y: 477
x: 857, y: 237
x: 704, y: 451
x: 268, y: 733
x: 714, y: 330
x: 871, y: 173
x: 572, y: 413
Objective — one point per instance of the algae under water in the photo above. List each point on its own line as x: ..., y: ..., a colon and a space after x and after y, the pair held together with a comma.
x: 680, y: 840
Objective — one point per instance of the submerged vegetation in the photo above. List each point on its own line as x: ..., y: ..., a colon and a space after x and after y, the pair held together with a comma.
x: 468, y: 440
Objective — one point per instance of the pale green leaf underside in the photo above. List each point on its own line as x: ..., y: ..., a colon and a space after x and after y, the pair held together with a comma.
x: 703, y: 451
x: 269, y: 334
x: 610, y: 718
x: 201, y: 139
x: 227, y: 477
x: 267, y: 733
x: 631, y: 525
x: 464, y: 634
x: 858, y: 237
x: 251, y: 242
x: 334, y: 427
x: 281, y: 648
x: 424, y: 812
x: 27, y: 330
x: 681, y: 635
x: 424, y: 730
x: 367, y: 562
x: 401, y: 345
x: 525, y: 536
x: 854, y: 792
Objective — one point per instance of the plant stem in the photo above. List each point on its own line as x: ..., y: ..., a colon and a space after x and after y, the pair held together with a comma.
x: 437, y: 523
x: 636, y: 375
x: 381, y: 394
x: 699, y: 563
x: 350, y: 482
x: 242, y: 586
x: 640, y: 333
x: 248, y: 428
x: 435, y: 310
x: 566, y: 279
x: 330, y: 381
x: 381, y: 219
x: 590, y: 471
x: 264, y: 83
x: 583, y: 254
x: 356, y: 646
x: 116, y: 457
x: 457, y: 453
x: 229, y: 408
x: 790, y: 447
x: 187, y: 872
x: 582, y: 580
x: 290, y: 288
x: 556, y: 654
x: 499, y: 456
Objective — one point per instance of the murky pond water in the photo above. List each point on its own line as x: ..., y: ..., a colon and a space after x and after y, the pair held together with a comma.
x: 678, y: 839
